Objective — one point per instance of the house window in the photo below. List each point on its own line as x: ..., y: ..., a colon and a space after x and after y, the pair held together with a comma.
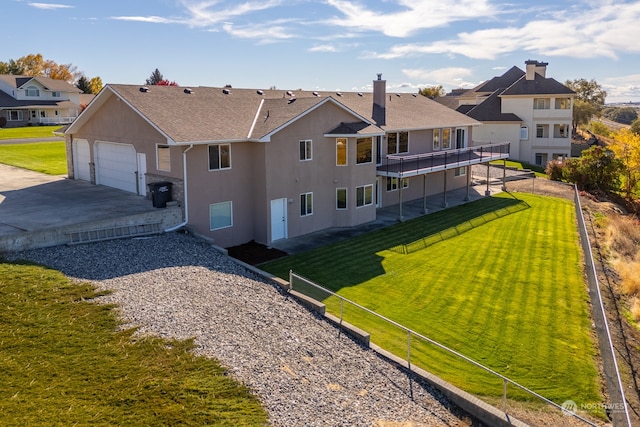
x: 55, y: 94
x: 541, y: 103
x: 341, y: 151
x: 163, y: 157
x: 219, y: 157
x: 341, y: 198
x: 305, y: 150
x: 306, y: 204
x: 436, y: 139
x: 220, y: 215
x: 43, y: 114
x: 541, y: 159
x: 397, y: 142
x: 446, y: 138
x: 14, y: 115
x: 461, y: 171
x: 563, y: 103
x: 364, y: 150
x: 524, y: 132
x: 542, y: 131
x: 364, y: 195
x: 561, y: 131
x: 392, y: 183
x: 32, y: 91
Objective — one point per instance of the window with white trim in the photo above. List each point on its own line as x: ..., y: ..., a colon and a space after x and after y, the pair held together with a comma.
x: 32, y: 91
x: 55, y: 94
x: 392, y: 183
x: 524, y: 132
x: 341, y: 199
x: 306, y: 204
x: 461, y: 171
x: 561, y: 131
x: 14, y: 115
x: 220, y: 215
x: 541, y: 103
x: 397, y: 142
x: 436, y: 139
x: 364, y: 195
x: 163, y: 158
x: 563, y: 103
x: 542, y: 131
x: 364, y: 150
x: 446, y: 138
x: 341, y: 151
x: 305, y: 150
x: 219, y: 156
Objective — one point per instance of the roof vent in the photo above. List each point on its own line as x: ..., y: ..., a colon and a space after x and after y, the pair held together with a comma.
x: 291, y: 100
x: 360, y: 94
x: 188, y: 91
x: 289, y: 93
x: 398, y: 95
x: 144, y: 89
x: 260, y: 92
x: 228, y: 86
x: 415, y: 95
x: 226, y: 91
x: 316, y: 94
x: 339, y: 93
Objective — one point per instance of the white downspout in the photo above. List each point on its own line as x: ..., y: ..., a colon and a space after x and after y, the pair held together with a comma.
x: 186, y: 193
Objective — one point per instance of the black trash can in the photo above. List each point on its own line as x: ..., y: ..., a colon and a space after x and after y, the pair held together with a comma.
x: 160, y: 194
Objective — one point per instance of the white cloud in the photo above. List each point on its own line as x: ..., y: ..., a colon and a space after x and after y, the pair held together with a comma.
x: 589, y: 32
x: 409, y: 16
x: 267, y: 33
x: 50, y: 6
x: 150, y: 19
x: 622, y: 88
x: 447, y: 77
x: 323, y: 48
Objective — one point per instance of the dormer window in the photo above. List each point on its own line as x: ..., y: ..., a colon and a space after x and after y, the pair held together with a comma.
x: 55, y: 94
x: 32, y: 91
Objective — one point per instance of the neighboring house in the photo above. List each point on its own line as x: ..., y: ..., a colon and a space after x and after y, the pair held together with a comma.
x: 266, y: 165
x: 26, y: 100
x: 532, y: 111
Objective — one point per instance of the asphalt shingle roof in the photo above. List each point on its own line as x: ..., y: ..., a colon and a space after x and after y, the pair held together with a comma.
x: 230, y: 114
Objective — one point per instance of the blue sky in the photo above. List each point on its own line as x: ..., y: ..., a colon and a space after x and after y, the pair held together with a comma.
x: 331, y: 44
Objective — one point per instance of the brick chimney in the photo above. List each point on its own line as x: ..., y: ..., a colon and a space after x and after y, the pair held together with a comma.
x: 379, y: 100
x: 534, y: 67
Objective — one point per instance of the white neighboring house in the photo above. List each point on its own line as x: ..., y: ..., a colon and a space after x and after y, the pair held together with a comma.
x: 529, y: 109
x: 27, y: 100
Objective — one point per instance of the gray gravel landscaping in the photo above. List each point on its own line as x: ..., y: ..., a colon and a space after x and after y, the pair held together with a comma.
x: 304, y: 372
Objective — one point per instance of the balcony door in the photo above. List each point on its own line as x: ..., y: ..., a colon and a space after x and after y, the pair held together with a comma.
x: 461, y: 138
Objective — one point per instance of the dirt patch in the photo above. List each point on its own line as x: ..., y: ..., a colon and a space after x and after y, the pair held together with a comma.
x: 255, y: 253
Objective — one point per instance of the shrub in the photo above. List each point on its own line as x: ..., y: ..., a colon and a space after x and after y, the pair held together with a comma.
x: 635, y: 309
x: 630, y: 275
x: 623, y: 238
x: 554, y: 170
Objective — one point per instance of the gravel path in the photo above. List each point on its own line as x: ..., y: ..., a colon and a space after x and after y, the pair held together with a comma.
x: 177, y: 286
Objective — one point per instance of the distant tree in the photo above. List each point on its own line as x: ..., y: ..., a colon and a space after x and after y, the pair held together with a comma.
x: 624, y: 115
x: 589, y: 92
x: 432, y: 92
x: 31, y: 65
x: 155, y: 77
x: 600, y: 128
x: 83, y: 85
x: 596, y: 169
x: 626, y: 146
x: 96, y: 84
x: 635, y: 127
x: 166, y: 83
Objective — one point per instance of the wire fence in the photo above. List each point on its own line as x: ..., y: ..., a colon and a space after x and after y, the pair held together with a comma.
x: 507, y: 395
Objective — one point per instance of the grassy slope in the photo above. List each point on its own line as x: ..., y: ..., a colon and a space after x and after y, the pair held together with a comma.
x: 509, y: 294
x: 63, y: 363
x: 45, y: 157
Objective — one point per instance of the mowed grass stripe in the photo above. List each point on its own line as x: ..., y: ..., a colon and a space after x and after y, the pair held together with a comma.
x: 508, y: 293
x: 44, y: 157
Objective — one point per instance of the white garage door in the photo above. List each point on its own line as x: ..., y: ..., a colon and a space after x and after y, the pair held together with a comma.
x: 81, y: 160
x: 116, y: 165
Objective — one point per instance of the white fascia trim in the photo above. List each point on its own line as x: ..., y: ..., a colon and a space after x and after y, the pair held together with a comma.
x: 255, y: 119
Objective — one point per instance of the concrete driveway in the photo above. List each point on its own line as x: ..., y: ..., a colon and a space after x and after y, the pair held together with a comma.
x: 31, y: 201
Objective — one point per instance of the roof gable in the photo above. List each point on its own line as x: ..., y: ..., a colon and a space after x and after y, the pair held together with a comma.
x: 538, y: 86
x: 490, y: 110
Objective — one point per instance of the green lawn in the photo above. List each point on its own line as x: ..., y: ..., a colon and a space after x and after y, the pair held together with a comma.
x: 45, y: 157
x: 63, y: 362
x: 508, y: 293
x: 537, y: 170
x: 28, y: 132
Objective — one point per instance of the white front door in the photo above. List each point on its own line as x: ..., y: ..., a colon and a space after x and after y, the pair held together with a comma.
x: 278, y: 219
x: 142, y: 171
x: 81, y: 160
